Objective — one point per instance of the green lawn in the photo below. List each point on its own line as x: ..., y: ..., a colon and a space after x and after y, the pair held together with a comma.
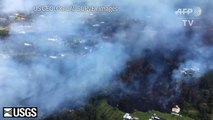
x: 106, y: 112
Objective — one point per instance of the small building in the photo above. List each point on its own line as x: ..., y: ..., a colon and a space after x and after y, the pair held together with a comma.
x: 20, y: 17
x: 189, y: 72
x: 154, y: 117
x: 176, y: 110
x: 127, y: 116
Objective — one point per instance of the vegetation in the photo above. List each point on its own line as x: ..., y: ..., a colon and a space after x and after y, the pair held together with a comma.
x: 197, y: 103
x: 198, y: 99
x: 110, y: 113
x: 4, y: 31
x: 103, y: 111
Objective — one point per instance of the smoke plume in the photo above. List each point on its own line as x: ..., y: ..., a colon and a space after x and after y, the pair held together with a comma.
x: 62, y: 56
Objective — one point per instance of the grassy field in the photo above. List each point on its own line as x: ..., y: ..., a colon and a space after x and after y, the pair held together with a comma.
x: 103, y: 111
x: 106, y: 112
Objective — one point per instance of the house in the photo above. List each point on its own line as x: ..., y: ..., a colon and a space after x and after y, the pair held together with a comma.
x: 154, y: 117
x: 176, y: 110
x: 127, y: 116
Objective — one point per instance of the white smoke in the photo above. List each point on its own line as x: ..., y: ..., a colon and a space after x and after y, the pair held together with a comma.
x: 67, y: 60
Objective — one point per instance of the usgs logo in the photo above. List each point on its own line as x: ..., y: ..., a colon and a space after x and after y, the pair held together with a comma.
x: 196, y: 11
x: 20, y: 112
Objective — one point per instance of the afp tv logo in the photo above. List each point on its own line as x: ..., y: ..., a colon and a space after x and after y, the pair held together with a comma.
x: 196, y: 11
x: 20, y: 112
